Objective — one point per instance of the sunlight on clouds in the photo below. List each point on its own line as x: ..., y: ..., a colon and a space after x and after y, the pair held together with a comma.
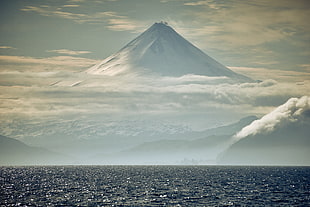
x: 64, y: 61
x: 113, y: 20
x: 209, y: 3
x: 71, y: 5
x: 7, y: 47
x: 66, y: 92
x: 240, y: 30
x: 305, y: 67
x: 69, y: 52
x: 238, y: 26
x: 47, y: 11
x: 121, y: 25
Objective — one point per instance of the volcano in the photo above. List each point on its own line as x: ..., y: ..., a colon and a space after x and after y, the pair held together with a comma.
x: 162, y: 51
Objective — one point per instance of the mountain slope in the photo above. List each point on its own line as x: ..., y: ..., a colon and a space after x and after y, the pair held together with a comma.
x: 14, y: 152
x: 231, y: 128
x: 160, y: 50
x: 286, y: 146
x: 201, y: 151
x: 188, y: 148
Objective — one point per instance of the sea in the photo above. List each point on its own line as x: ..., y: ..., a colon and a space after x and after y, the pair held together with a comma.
x: 154, y: 186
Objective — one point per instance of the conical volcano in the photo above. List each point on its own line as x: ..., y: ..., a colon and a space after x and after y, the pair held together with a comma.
x: 161, y: 50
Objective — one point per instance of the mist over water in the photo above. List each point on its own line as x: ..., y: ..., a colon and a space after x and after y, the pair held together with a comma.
x: 154, y: 186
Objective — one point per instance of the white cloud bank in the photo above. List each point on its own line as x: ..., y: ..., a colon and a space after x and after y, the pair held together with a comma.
x: 289, y: 112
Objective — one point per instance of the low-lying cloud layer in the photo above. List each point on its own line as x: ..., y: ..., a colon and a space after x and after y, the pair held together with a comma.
x: 295, y: 109
x: 61, y: 92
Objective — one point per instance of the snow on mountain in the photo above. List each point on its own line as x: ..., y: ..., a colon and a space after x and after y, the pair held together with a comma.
x: 161, y: 50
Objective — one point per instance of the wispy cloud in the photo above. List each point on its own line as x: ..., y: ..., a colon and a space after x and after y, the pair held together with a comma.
x: 26, y: 63
x: 112, y: 20
x: 253, y: 23
x: 122, y: 24
x: 210, y: 3
x: 196, y: 3
x: 71, y: 5
x: 7, y: 47
x: 69, y: 52
x: 49, y: 11
x: 277, y: 74
x: 305, y: 67
x: 234, y: 29
x: 76, y: 1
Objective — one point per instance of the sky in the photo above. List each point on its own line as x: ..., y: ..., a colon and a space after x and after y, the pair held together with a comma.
x: 43, y: 42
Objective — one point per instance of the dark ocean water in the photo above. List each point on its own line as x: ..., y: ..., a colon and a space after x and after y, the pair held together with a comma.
x: 154, y: 186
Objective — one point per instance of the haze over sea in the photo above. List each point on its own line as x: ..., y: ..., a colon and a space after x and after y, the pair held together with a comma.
x: 154, y: 186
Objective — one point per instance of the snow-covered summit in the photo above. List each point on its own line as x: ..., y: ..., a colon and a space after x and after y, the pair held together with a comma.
x: 161, y: 50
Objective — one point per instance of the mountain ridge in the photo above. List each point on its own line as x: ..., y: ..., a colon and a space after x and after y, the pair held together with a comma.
x: 15, y: 152
x: 200, y: 147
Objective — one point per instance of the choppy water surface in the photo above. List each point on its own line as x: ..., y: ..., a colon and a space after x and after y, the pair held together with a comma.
x: 154, y: 186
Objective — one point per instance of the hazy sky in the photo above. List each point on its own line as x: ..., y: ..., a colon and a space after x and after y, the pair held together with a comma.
x: 266, y: 34
x: 42, y: 42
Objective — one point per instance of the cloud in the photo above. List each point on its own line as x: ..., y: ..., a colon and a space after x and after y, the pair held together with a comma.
x: 69, y: 52
x: 198, y: 89
x: 197, y: 3
x: 71, y: 5
x: 252, y: 34
x: 208, y: 3
x: 279, y: 75
x: 32, y: 63
x: 112, y: 20
x: 7, y: 47
x: 49, y: 11
x: 293, y: 110
x: 75, y: 1
x: 121, y: 24
x: 190, y: 78
x: 201, y: 91
x: 305, y: 67
x: 244, y: 24
x: 59, y: 92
